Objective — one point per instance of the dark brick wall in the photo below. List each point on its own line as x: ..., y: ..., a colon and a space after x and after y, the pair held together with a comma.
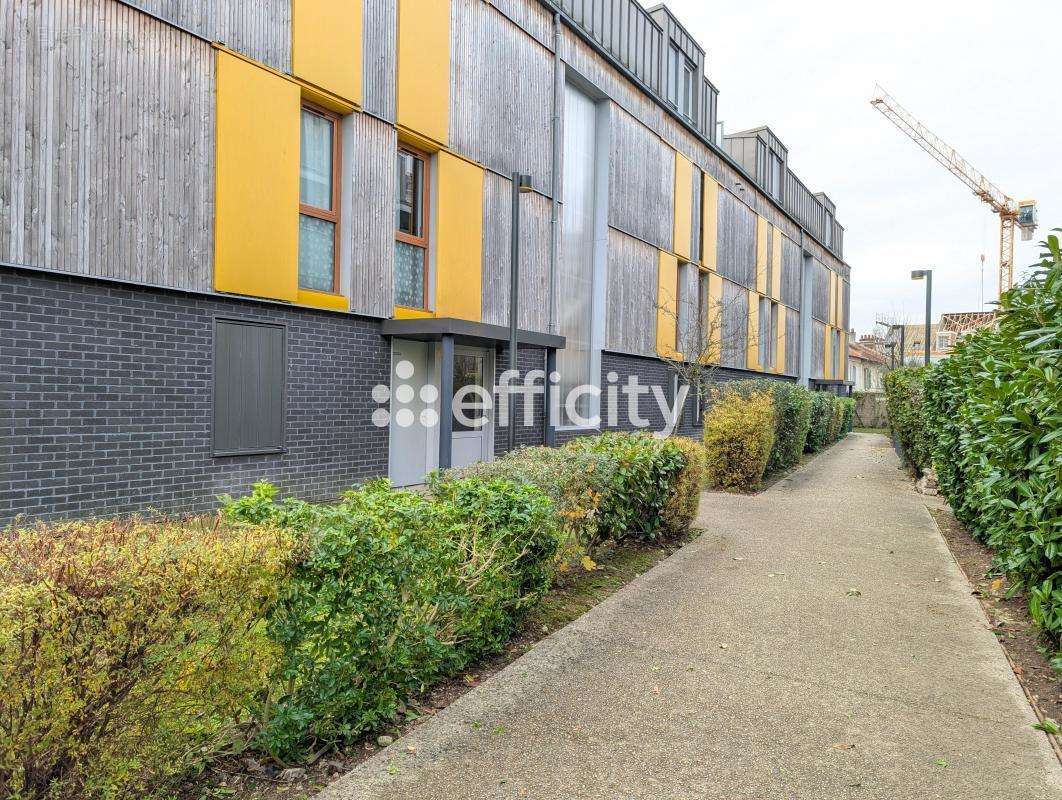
x: 106, y: 392
x: 529, y: 358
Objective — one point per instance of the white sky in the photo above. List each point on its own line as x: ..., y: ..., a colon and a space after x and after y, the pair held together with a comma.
x: 982, y: 76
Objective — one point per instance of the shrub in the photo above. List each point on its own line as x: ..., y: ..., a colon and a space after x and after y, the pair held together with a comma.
x: 848, y: 407
x: 903, y: 401
x: 681, y: 508
x: 396, y: 590
x: 993, y: 414
x: 129, y: 651
x: 792, y: 404
x: 836, y: 419
x: 738, y: 436
x: 821, y: 415
x: 645, y: 471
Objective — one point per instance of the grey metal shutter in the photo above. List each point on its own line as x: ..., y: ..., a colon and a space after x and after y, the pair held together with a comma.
x: 250, y: 367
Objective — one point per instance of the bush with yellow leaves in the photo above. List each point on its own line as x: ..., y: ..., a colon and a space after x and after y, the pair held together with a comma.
x: 129, y: 651
x: 681, y: 508
x: 738, y: 437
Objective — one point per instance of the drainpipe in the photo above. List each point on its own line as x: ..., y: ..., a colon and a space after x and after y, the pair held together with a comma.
x: 555, y: 181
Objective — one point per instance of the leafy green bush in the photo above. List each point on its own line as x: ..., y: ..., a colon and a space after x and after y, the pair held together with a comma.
x: 681, y: 508
x: 738, y: 436
x: 903, y: 402
x: 792, y: 404
x: 848, y: 407
x: 821, y: 416
x: 129, y: 651
x: 833, y: 425
x: 646, y: 470
x: 993, y: 413
x: 396, y: 590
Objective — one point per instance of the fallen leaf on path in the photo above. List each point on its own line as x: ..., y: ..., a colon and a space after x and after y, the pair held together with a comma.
x: 739, y: 558
x: 853, y: 593
x: 996, y: 585
x: 723, y: 646
x: 844, y: 746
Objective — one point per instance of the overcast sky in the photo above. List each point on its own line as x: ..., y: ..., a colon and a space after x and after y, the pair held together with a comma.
x: 982, y: 76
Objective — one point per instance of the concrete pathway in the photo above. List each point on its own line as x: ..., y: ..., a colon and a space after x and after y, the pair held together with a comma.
x: 817, y: 642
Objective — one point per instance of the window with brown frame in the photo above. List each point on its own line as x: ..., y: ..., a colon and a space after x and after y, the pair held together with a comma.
x: 411, y: 229
x: 319, y: 162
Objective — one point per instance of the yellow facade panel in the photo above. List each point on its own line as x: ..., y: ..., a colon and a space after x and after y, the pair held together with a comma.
x: 337, y: 302
x: 752, y: 351
x: 776, y: 263
x: 683, y: 214
x: 762, y: 232
x: 326, y: 42
x: 779, y: 343
x: 667, y: 306
x: 709, y: 222
x: 256, y: 220
x: 424, y: 68
x: 459, y: 239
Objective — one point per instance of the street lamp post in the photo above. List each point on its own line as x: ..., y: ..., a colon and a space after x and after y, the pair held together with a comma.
x: 521, y: 185
x: 917, y: 275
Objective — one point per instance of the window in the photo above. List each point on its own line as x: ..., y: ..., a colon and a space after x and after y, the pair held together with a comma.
x: 827, y: 233
x: 250, y: 364
x: 411, y: 229
x: 680, y: 80
x: 575, y: 270
x: 866, y: 378
x: 319, y: 201
x: 777, y: 167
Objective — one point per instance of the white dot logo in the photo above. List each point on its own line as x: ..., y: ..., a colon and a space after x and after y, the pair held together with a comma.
x: 402, y: 397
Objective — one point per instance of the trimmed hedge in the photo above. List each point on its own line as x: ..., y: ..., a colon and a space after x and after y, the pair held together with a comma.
x: 738, y: 436
x: 821, y: 415
x: 792, y: 404
x: 993, y: 416
x: 681, y: 507
x: 903, y: 403
x: 130, y: 652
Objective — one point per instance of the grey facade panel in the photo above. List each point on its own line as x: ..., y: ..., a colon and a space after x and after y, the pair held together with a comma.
x: 533, y: 298
x: 261, y: 30
x: 630, y: 320
x: 501, y: 94
x: 734, y: 330
x: 641, y: 184
x: 736, y: 240
x: 820, y: 292
x: 626, y: 31
x: 107, y: 136
x: 689, y: 321
x: 534, y: 18
x: 818, y: 349
x: 369, y: 201
x: 792, y: 342
x: 792, y: 267
x: 379, y: 57
x: 250, y: 364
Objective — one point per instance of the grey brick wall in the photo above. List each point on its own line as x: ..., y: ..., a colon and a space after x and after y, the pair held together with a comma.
x: 529, y: 358
x: 106, y: 398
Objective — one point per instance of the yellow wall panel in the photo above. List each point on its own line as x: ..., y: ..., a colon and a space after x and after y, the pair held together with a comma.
x: 714, y: 320
x: 424, y: 68
x: 779, y: 343
x: 752, y: 352
x: 326, y: 41
x: 683, y: 206
x: 459, y: 239
x: 762, y: 232
x: 776, y: 263
x: 709, y: 221
x: 256, y: 218
x: 667, y: 306
x: 307, y: 297
x: 833, y: 297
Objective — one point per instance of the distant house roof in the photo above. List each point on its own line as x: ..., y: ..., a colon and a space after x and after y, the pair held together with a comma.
x: 864, y: 353
x: 963, y: 322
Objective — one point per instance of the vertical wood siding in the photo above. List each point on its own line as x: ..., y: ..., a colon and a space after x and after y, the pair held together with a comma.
x: 259, y: 29
x: 501, y: 98
x: 532, y: 17
x: 688, y: 318
x: 380, y: 23
x: 626, y: 31
x: 497, y: 251
x: 695, y: 216
x: 792, y: 267
x: 630, y: 323
x: 734, y: 327
x: 369, y: 193
x: 107, y: 136
x: 792, y: 342
x: 818, y: 349
x: 820, y: 292
x: 641, y: 183
x: 737, y: 241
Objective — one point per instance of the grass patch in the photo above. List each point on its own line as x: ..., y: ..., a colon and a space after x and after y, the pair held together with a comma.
x: 882, y: 431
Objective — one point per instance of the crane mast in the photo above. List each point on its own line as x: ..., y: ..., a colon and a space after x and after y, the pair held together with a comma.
x: 1011, y: 213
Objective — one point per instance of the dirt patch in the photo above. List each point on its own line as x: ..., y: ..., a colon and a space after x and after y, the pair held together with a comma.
x: 574, y: 593
x: 1009, y: 616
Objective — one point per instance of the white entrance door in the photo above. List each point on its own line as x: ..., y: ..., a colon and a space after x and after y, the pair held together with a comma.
x: 472, y: 443
x: 413, y: 441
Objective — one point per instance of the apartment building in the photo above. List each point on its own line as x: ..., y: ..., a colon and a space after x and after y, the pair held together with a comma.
x: 268, y: 240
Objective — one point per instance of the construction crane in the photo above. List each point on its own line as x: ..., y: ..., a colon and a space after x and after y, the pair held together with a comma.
x: 1021, y: 214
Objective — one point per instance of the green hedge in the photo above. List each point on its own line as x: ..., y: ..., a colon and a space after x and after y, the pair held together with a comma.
x: 993, y: 414
x: 821, y: 415
x: 738, y: 436
x: 681, y: 508
x: 396, y: 590
x: 903, y: 403
x: 792, y: 404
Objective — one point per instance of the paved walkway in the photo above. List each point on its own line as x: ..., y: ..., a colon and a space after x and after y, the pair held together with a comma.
x: 746, y: 666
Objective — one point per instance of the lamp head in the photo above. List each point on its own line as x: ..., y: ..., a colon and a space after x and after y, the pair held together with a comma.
x: 919, y: 274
